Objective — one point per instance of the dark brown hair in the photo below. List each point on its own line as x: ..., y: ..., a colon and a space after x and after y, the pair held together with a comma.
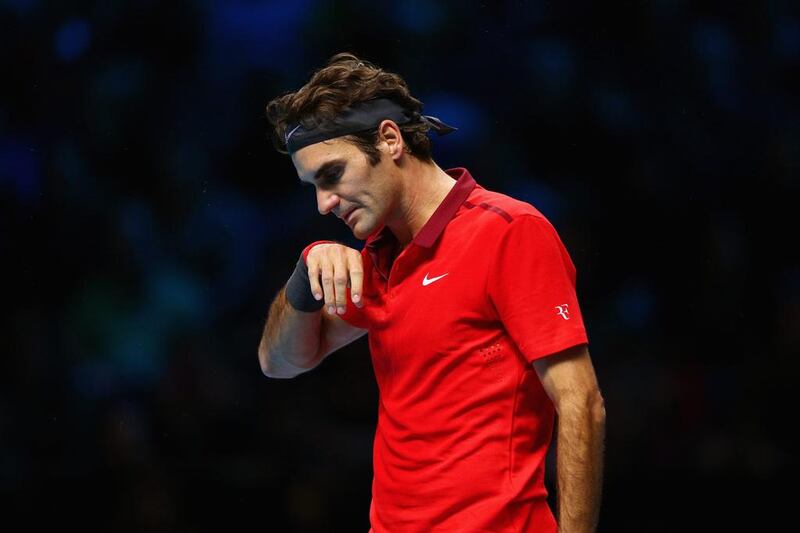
x: 344, y: 81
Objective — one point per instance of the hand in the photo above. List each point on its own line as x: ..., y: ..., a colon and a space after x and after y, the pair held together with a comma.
x: 339, y: 267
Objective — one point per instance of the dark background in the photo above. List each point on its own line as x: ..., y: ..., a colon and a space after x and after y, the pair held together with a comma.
x: 146, y: 223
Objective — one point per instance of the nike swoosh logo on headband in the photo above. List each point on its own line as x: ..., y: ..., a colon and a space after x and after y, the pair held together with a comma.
x: 290, y: 133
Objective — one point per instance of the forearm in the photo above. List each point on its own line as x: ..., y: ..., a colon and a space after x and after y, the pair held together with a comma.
x: 579, y: 465
x: 290, y: 343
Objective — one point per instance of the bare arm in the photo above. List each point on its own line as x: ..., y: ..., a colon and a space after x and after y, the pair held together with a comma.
x: 570, y: 381
x: 294, y: 341
x: 291, y: 339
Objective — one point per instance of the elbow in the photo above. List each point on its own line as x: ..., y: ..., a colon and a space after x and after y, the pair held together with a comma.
x: 273, y: 371
x: 597, y: 408
x: 268, y: 367
x: 276, y: 367
x: 264, y: 362
x: 588, y: 405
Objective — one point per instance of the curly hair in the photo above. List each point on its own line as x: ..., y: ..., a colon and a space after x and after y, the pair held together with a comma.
x: 344, y: 81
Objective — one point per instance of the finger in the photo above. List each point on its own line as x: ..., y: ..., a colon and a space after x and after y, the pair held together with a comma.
x: 313, y: 278
x: 356, y: 278
x: 326, y: 273
x: 340, y: 282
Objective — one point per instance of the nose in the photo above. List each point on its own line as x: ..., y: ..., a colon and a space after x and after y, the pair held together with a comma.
x: 326, y: 201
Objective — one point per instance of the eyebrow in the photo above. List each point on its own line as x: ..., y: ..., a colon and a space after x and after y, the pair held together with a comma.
x: 325, y: 166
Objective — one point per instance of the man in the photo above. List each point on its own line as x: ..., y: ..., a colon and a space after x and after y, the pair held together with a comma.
x: 468, y: 296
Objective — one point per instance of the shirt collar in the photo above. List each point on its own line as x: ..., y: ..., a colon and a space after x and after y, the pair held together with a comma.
x: 443, y: 214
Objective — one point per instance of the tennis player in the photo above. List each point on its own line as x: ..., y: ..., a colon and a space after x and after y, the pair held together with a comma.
x: 469, y: 300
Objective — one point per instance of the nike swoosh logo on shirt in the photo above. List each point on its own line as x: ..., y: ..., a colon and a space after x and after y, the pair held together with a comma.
x: 426, y: 281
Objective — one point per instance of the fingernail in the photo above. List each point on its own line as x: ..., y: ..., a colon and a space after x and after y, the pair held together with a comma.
x: 341, y: 310
x: 356, y: 297
x: 331, y: 310
x: 318, y: 296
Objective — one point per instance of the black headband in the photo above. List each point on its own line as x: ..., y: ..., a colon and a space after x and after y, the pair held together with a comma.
x: 360, y: 117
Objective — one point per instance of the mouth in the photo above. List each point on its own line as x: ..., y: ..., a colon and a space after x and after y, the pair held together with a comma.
x: 349, y: 214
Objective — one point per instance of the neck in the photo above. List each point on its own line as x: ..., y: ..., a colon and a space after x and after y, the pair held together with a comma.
x: 423, y: 186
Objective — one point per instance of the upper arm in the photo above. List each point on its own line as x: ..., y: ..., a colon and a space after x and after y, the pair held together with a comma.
x: 568, y: 377
x: 336, y: 333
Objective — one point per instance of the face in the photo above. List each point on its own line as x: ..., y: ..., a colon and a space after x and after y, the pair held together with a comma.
x: 346, y: 184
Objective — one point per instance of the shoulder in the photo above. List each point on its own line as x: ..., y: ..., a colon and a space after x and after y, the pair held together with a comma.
x: 498, y: 212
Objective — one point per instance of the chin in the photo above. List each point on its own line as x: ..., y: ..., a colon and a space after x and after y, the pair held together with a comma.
x: 360, y: 235
x: 361, y: 231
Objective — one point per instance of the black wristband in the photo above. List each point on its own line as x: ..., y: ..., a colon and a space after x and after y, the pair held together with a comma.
x: 298, y: 290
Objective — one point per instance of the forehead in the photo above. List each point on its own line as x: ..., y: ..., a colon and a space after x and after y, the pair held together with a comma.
x: 309, y: 159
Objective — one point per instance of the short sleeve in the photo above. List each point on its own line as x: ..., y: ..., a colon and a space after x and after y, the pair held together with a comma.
x: 531, y: 285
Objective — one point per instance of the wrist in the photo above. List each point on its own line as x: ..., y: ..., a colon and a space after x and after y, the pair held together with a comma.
x: 308, y: 248
x: 298, y: 290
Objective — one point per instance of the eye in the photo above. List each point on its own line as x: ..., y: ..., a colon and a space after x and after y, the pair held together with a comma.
x: 333, y: 176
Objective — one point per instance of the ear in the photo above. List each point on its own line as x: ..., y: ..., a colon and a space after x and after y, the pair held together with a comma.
x: 390, y: 139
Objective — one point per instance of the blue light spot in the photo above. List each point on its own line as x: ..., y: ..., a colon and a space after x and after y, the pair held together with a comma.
x: 72, y: 39
x: 713, y: 43
x: 137, y: 225
x: 20, y: 6
x: 419, y: 16
x: 787, y: 38
x: 456, y: 111
x: 264, y: 34
x: 137, y: 346
x: 538, y: 194
x: 717, y: 52
x: 615, y: 109
x: 553, y: 63
x: 176, y: 297
x: 635, y: 305
x: 20, y: 168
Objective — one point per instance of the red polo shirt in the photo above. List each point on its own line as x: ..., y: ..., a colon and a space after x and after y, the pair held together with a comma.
x: 455, y: 320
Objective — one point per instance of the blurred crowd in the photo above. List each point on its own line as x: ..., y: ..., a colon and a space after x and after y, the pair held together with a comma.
x: 147, y: 222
